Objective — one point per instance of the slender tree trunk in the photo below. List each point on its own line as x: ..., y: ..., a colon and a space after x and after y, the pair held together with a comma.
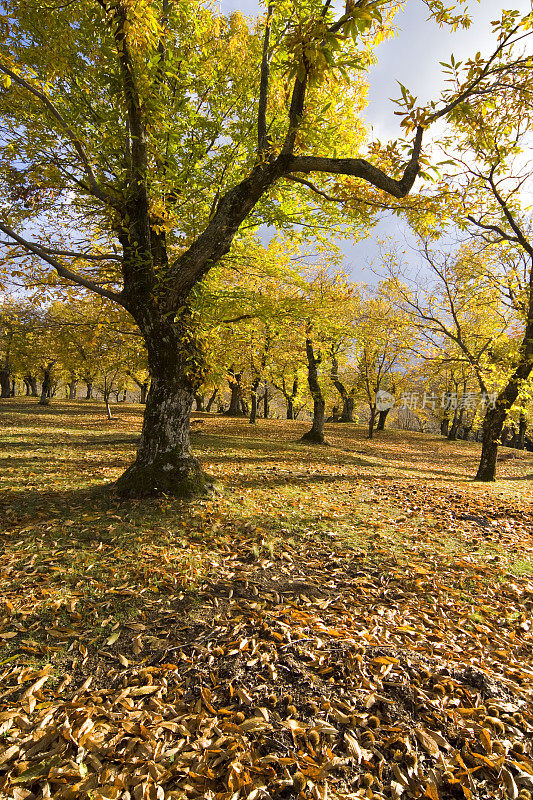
x: 371, y: 421
x: 165, y: 463
x: 145, y: 385
x: 72, y: 387
x: 253, y: 396
x: 316, y: 434
x: 290, y: 408
x: 445, y: 425
x: 26, y: 387
x: 290, y: 397
x: 13, y: 388
x: 347, y: 397
x: 211, y: 399
x: 514, y: 436
x: 107, y: 392
x: 382, y: 419
x: 522, y: 428
x: 266, y: 402
x: 89, y: 392
x: 457, y: 419
x: 199, y: 400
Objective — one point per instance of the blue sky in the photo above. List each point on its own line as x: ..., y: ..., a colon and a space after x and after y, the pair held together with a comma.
x: 413, y: 59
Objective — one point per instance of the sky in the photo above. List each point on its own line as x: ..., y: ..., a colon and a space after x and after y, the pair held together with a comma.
x: 412, y: 58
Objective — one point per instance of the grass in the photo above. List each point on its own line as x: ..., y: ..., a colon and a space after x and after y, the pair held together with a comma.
x: 70, y: 547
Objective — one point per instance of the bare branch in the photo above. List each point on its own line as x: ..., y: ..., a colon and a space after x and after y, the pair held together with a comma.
x: 359, y: 168
x: 509, y: 216
x: 495, y: 228
x: 315, y: 189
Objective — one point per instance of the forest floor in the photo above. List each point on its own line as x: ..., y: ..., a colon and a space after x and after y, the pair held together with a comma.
x: 339, y: 622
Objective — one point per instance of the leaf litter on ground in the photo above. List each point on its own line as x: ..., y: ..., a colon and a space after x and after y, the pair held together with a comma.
x: 266, y: 666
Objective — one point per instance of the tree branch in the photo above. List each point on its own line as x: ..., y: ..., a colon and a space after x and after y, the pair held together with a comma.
x: 94, y: 186
x: 61, y: 270
x: 509, y: 216
x: 359, y: 168
x: 262, y: 139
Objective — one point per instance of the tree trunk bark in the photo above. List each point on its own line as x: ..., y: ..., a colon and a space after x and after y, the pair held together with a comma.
x: 46, y: 388
x: 445, y: 425
x: 89, y: 392
x: 457, y: 419
x: 492, y: 428
x: 211, y: 400
x: 5, y: 382
x: 316, y: 434
x: 235, y: 403
x: 382, y: 419
x: 348, y: 404
x: 495, y: 420
x: 199, y: 400
x: 31, y: 382
x: 347, y: 397
x: 290, y: 408
x: 522, y: 428
x: 371, y: 421
x: 266, y: 402
x: 144, y: 391
x: 13, y: 387
x: 72, y: 386
x: 253, y: 395
x: 165, y: 463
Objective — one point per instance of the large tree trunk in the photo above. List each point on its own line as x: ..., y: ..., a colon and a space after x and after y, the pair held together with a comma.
x: 31, y: 382
x: 495, y: 417
x: 46, y: 388
x: 5, y: 382
x: 348, y: 404
x: 235, y: 408
x: 72, y: 386
x: 316, y: 434
x: 165, y: 463
x: 382, y: 419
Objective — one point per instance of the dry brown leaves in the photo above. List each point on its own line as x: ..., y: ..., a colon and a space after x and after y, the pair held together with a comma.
x: 315, y: 672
